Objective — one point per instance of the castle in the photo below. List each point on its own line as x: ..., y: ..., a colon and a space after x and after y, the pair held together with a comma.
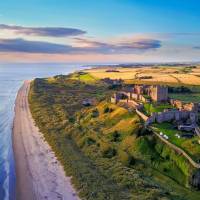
x: 143, y: 93
x: 135, y: 97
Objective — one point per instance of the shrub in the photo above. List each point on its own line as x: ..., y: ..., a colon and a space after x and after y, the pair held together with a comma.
x: 165, y: 169
x: 107, y: 150
x: 89, y: 141
x: 95, y: 113
x: 126, y: 159
x: 108, y: 110
x: 109, y: 153
x: 71, y: 119
x: 115, y: 136
x: 142, y: 131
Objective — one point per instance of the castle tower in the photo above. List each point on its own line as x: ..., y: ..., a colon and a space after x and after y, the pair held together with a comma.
x: 159, y: 93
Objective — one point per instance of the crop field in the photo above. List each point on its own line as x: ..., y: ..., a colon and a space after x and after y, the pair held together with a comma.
x: 166, y: 75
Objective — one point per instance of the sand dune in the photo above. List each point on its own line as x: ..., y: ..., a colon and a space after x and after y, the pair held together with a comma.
x: 39, y: 174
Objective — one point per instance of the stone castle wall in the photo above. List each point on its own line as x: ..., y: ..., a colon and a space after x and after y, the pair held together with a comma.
x: 171, y: 115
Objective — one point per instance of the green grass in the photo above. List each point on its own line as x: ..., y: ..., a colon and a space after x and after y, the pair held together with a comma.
x: 152, y: 108
x: 84, y: 77
x: 191, y: 146
x: 187, y: 193
x: 186, y: 97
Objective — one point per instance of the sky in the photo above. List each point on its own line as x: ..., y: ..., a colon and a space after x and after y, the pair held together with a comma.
x: 106, y: 31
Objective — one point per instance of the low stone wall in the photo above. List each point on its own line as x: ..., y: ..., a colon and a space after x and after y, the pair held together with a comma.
x: 142, y: 115
x: 179, y: 151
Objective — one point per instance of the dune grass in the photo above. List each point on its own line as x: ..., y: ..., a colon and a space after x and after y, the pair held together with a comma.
x: 103, y: 147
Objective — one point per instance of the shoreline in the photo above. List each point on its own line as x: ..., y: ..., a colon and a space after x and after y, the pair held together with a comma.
x: 39, y: 175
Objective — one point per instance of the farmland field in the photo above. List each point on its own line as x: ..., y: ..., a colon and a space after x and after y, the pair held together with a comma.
x: 164, y: 74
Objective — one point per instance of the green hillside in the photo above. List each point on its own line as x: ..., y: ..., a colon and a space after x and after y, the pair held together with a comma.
x: 104, y: 147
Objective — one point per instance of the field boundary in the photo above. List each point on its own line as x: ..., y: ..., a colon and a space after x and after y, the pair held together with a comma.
x: 177, y: 149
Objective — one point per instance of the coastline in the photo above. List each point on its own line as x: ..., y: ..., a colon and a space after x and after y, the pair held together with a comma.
x: 38, y: 173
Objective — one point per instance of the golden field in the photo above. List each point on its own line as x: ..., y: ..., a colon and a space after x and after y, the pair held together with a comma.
x: 159, y: 74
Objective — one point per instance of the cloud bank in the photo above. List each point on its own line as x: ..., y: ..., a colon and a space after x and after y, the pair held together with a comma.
x: 43, y: 31
x: 26, y: 46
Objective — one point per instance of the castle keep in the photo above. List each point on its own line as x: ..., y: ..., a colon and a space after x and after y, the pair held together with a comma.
x: 158, y: 93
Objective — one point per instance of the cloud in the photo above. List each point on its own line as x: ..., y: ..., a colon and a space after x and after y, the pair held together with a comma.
x: 127, y: 47
x: 91, y: 47
x: 43, y: 31
x: 25, y: 46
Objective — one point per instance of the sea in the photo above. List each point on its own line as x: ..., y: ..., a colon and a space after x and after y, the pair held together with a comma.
x: 12, y: 77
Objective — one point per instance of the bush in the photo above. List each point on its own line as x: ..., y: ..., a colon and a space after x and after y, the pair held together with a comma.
x: 165, y: 169
x: 142, y: 132
x: 89, y: 141
x: 115, y: 136
x: 71, y: 120
x: 126, y: 159
x: 107, y: 150
x: 95, y: 113
x: 109, y: 153
x: 108, y: 110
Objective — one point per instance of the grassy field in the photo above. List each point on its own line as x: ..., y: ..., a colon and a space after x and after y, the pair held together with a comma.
x: 160, y: 74
x: 186, y: 97
x: 191, y: 146
x: 104, y: 147
x: 155, y: 108
x: 84, y: 77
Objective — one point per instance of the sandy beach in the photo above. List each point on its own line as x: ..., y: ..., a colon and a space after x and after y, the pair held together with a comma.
x: 39, y: 175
